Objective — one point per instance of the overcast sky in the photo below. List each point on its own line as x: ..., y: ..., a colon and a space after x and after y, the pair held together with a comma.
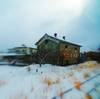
x: 25, y: 21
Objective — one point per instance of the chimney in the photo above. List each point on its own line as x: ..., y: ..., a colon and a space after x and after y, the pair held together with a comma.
x: 64, y: 37
x: 55, y: 34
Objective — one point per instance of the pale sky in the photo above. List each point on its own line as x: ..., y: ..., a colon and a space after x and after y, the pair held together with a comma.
x: 25, y: 21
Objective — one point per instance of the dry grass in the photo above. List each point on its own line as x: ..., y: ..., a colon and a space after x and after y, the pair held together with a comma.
x: 25, y: 97
x: 86, y: 75
x: 77, y: 85
x: 18, y: 96
x: 57, y: 81
x: 49, y: 81
x: 70, y: 74
x: 2, y: 82
x: 61, y: 95
x: 32, y: 89
x: 15, y: 96
x: 87, y: 96
x: 91, y: 65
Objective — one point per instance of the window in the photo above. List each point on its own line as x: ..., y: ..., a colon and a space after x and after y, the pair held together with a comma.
x: 46, y: 41
x: 75, y: 48
x: 66, y: 46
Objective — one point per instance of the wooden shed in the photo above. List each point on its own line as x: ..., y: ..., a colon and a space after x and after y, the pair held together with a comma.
x: 58, y: 51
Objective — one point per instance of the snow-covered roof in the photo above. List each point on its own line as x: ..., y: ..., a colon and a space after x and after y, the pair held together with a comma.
x: 46, y: 36
x: 10, y: 54
x: 22, y: 47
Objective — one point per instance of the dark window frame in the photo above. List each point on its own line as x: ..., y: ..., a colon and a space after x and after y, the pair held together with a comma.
x: 75, y: 49
x: 66, y: 46
x: 46, y: 41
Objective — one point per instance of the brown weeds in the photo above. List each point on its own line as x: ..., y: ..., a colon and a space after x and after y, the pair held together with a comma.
x: 87, y: 96
x: 2, y: 82
x: 77, y: 85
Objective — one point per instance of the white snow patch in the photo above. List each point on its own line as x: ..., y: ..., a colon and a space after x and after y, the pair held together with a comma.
x: 48, y: 81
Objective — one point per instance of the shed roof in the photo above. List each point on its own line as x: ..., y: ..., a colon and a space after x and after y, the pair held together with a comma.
x: 62, y: 41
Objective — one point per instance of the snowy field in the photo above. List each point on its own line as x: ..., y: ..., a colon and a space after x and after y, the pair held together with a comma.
x: 50, y: 82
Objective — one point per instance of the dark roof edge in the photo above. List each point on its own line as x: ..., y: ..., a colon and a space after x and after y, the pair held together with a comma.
x: 41, y: 38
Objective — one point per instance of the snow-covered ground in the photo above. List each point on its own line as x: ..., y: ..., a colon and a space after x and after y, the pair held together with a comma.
x: 80, y: 81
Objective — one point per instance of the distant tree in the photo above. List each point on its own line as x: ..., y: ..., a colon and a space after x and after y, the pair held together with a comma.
x: 99, y: 48
x: 93, y: 56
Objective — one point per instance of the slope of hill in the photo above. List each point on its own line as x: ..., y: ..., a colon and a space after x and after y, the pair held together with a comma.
x: 80, y: 81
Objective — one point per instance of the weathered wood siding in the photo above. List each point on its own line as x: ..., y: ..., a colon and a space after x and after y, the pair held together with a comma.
x: 70, y: 53
x: 65, y: 53
x: 48, y: 45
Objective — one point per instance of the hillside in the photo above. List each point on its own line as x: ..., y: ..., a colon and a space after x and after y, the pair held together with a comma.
x: 80, y: 81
